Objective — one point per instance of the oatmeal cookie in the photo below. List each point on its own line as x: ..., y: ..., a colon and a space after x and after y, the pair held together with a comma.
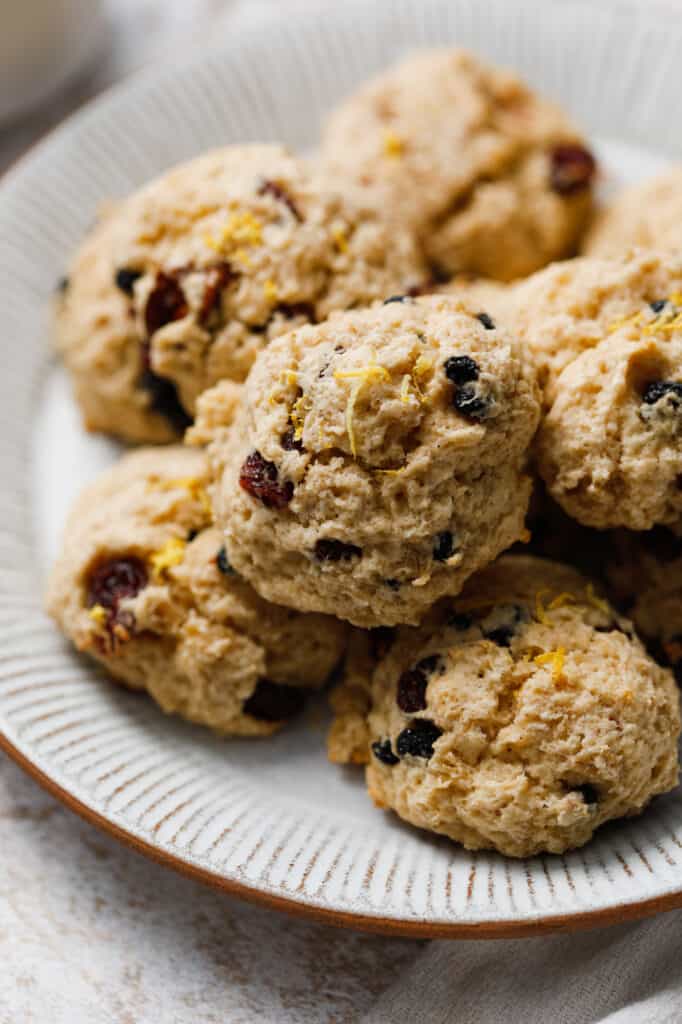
x: 144, y: 585
x: 378, y: 459
x: 521, y: 715
x: 490, y: 177
x: 184, y: 282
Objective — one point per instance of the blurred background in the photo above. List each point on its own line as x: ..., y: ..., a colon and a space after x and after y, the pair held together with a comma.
x: 57, y: 54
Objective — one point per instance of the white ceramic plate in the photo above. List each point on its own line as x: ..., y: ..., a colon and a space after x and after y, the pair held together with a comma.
x: 273, y: 820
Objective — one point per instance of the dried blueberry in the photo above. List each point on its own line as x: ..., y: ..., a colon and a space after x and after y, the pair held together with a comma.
x: 658, y: 389
x: 279, y: 193
x: 382, y: 751
x: 125, y: 278
x: 395, y: 298
x: 444, y: 546
x: 289, y: 442
x: 411, y: 695
x: 296, y: 309
x: 461, y: 369
x: 429, y: 664
x: 469, y: 403
x: 486, y: 320
x: 62, y: 285
x: 165, y: 304
x: 329, y: 550
x: 418, y: 739
x: 572, y: 168
x: 380, y: 641
x: 259, y: 478
x: 223, y: 562
x: 392, y: 584
x: 658, y: 305
x: 273, y: 702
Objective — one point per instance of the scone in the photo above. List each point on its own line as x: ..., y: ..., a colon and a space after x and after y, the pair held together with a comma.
x: 491, y: 178
x: 644, y: 573
x: 143, y: 585
x: 607, y: 339
x: 521, y: 715
x: 181, y: 285
x: 378, y: 459
x: 648, y: 215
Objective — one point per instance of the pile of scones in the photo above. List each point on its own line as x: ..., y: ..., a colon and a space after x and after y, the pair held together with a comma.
x: 397, y: 441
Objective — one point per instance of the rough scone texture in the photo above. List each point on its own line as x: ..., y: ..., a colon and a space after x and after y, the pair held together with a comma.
x: 385, y: 482
x: 607, y: 339
x: 647, y: 215
x: 212, y: 260
x: 540, y: 716
x: 644, y: 573
x: 470, y: 159
x: 195, y: 636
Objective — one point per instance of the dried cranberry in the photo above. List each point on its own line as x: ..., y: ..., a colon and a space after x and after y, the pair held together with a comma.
x: 223, y: 562
x: 218, y: 277
x: 259, y: 478
x: 115, y: 578
x: 125, y: 278
x: 411, y: 694
x: 329, y: 550
x: 572, y: 168
x: 444, y: 546
x: 272, y: 702
x: 659, y: 389
x: 110, y: 582
x: 279, y: 193
x: 382, y: 751
x: 486, y: 320
x: 461, y: 369
x: 289, y: 441
x: 163, y: 395
x: 380, y: 640
x: 418, y: 739
x: 469, y: 403
x: 166, y: 303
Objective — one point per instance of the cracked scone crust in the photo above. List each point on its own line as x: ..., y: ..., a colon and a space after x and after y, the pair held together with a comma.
x: 647, y: 215
x: 144, y: 586
x: 490, y: 177
x: 607, y: 339
x: 644, y: 574
x: 521, y: 716
x: 185, y: 281
x: 378, y: 460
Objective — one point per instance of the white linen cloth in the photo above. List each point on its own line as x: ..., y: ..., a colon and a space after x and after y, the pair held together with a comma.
x: 628, y: 974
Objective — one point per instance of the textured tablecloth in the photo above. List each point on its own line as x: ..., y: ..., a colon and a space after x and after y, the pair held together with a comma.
x: 91, y: 932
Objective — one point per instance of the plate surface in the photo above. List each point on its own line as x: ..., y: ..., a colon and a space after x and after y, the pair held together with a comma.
x: 274, y: 821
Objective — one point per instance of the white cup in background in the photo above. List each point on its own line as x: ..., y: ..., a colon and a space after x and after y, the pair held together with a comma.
x: 43, y: 44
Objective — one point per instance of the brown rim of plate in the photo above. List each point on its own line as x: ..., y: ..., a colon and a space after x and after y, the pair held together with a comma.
x: 530, y: 928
